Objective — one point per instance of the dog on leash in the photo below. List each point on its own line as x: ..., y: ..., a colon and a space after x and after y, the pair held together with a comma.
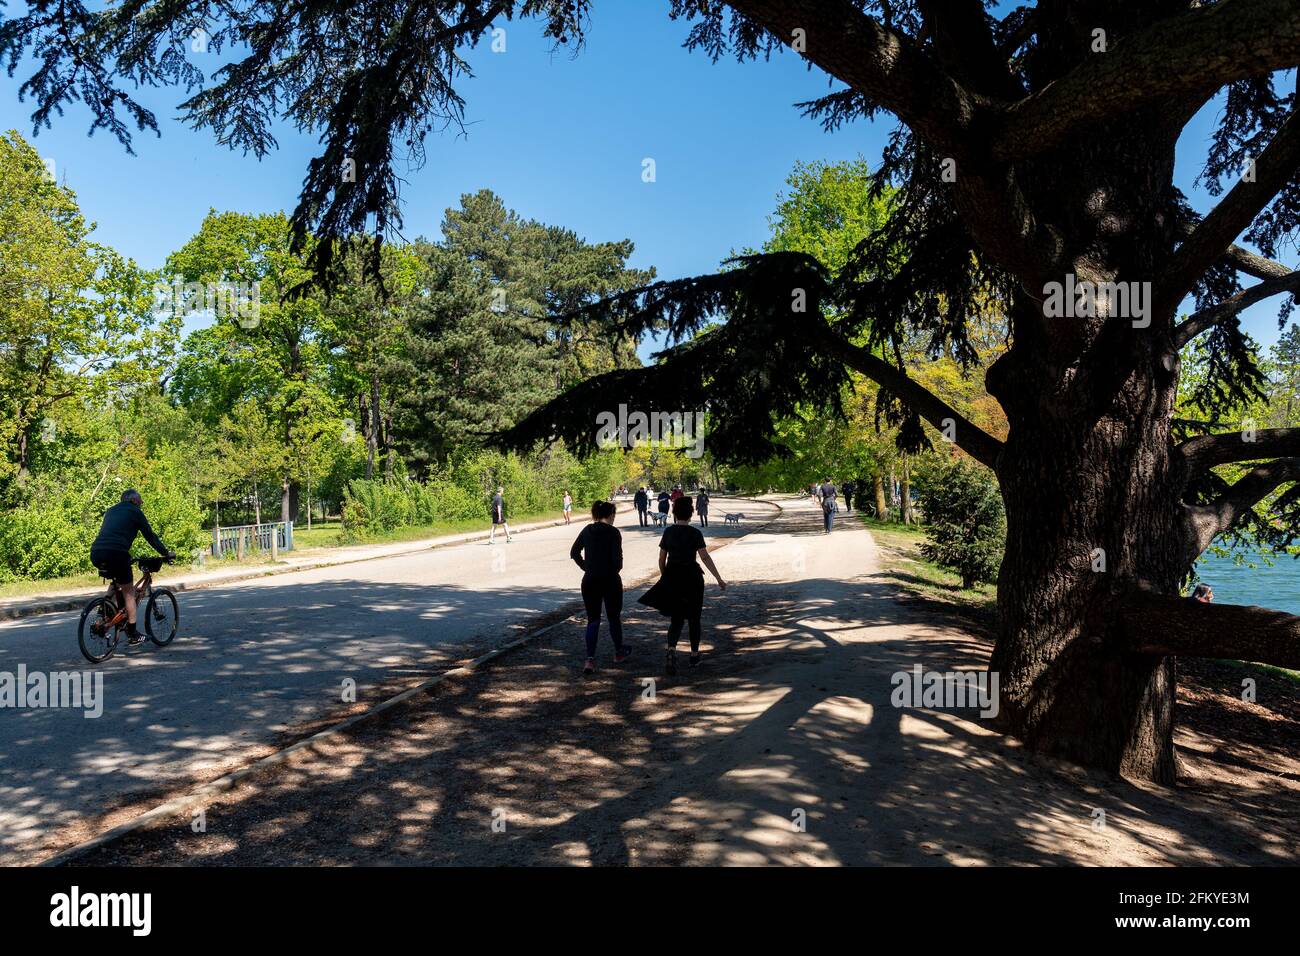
x: 661, y: 518
x: 733, y: 518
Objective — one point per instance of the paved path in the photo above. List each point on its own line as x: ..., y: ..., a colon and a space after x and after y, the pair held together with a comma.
x: 220, y: 572
x: 790, y: 720
x: 256, y: 658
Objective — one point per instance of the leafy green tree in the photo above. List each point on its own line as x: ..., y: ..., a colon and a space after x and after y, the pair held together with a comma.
x: 76, y: 319
x: 263, y: 345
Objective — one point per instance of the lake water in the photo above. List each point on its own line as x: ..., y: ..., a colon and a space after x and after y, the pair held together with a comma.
x: 1277, y: 587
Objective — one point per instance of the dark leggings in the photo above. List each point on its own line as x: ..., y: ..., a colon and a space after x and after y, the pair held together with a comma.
x: 607, y: 590
x: 675, y: 632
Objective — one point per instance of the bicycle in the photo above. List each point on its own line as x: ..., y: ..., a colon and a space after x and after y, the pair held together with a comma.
x: 103, y: 619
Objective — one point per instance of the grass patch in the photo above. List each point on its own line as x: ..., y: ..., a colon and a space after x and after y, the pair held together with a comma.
x: 1249, y: 667
x: 900, y: 554
x: 330, y: 534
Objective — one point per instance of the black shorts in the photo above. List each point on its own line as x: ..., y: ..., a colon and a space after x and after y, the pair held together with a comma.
x: 114, y: 565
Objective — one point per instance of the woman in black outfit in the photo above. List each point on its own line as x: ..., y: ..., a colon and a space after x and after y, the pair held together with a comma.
x: 679, y: 594
x: 599, y: 552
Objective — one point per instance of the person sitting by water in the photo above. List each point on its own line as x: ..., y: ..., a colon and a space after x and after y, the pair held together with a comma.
x: 1203, y: 593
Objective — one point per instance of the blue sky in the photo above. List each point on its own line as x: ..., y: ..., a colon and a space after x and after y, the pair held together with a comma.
x: 560, y: 138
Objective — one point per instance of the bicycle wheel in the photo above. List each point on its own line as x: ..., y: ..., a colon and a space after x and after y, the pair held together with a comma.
x: 162, y: 616
x: 96, y: 633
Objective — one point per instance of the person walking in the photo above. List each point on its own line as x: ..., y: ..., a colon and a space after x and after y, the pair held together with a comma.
x: 679, y: 592
x: 499, y: 515
x: 702, y: 507
x: 599, y: 552
x: 830, y: 504
x: 677, y: 493
x: 665, y: 502
x: 848, y: 489
x: 642, y: 502
x: 568, y: 507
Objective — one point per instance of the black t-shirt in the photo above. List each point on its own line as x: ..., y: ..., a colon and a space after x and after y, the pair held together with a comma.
x: 498, y: 508
x: 681, y: 541
x: 599, y: 549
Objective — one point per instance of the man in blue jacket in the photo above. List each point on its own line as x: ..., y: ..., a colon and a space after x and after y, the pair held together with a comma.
x: 642, y: 502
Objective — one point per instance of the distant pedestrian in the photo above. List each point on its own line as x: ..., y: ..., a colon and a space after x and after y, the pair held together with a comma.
x: 677, y: 493
x: 702, y: 507
x: 642, y: 502
x: 665, y: 502
x: 499, y: 515
x: 568, y: 507
x: 599, y: 552
x: 830, y: 504
x: 679, y: 592
x: 848, y: 489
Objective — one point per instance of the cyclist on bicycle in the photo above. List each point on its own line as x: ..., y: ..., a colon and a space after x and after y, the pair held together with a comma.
x: 111, y: 552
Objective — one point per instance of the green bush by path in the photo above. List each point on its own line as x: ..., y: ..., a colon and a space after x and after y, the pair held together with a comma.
x: 463, y: 491
x: 964, y: 521
x: 49, y: 534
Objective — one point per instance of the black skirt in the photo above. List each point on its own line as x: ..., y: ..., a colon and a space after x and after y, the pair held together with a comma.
x: 679, y: 593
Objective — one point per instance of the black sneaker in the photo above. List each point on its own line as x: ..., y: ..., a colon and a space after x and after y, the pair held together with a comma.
x: 695, y: 660
x: 133, y: 637
x: 670, y: 662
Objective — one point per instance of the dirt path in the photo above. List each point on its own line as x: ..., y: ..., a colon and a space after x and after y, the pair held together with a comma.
x: 789, y: 718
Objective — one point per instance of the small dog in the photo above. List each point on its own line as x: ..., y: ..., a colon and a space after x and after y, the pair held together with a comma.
x: 733, y: 518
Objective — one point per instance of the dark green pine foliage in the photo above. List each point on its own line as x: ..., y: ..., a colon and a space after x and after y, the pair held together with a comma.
x: 482, y: 346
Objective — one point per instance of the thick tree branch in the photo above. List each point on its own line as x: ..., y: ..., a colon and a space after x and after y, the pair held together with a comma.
x: 1211, y: 520
x: 1195, y: 52
x: 1234, y: 213
x: 892, y: 72
x: 1254, y: 264
x: 1210, y: 316
x: 968, y: 436
x: 1164, y: 624
x: 1206, y: 451
x: 1243, y: 260
x: 882, y: 64
x: 965, y: 47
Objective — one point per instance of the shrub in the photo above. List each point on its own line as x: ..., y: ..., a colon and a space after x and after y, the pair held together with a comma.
x: 965, y: 521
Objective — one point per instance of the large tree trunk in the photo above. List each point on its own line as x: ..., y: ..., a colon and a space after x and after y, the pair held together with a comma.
x: 1093, y: 514
x: 882, y: 506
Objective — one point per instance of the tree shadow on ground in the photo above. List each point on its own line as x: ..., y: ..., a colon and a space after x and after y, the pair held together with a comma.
x: 789, y: 720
